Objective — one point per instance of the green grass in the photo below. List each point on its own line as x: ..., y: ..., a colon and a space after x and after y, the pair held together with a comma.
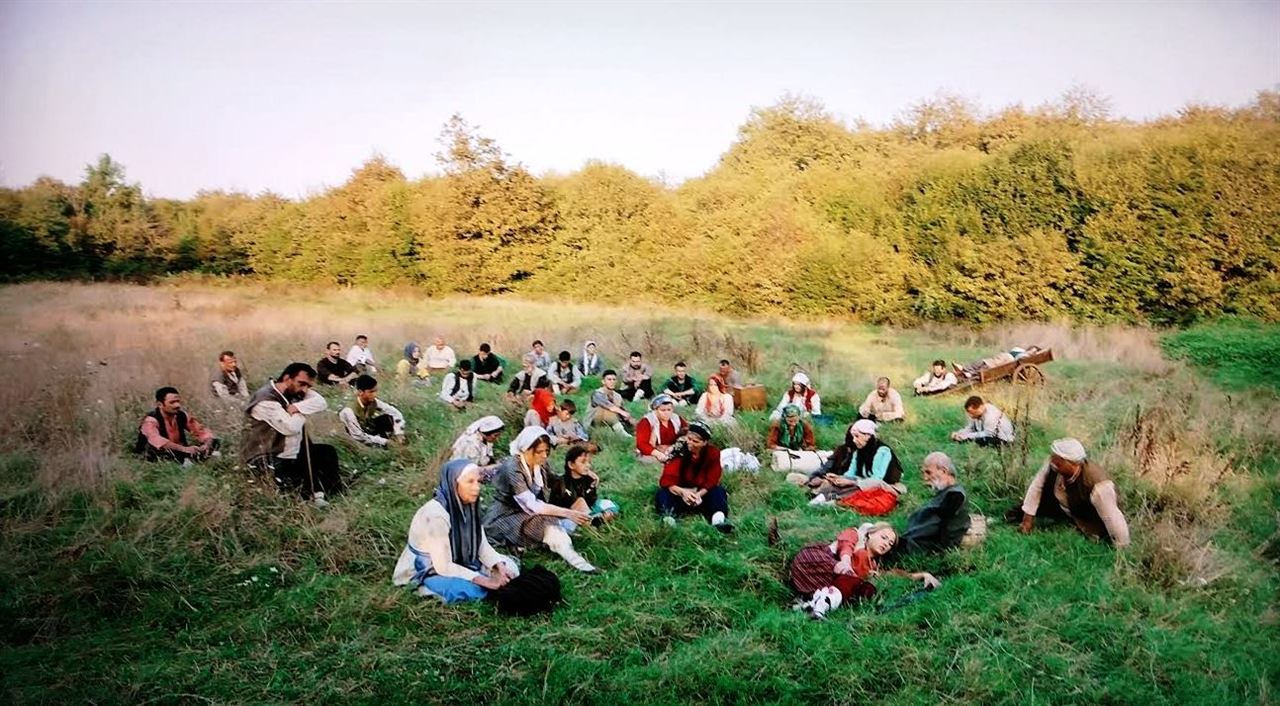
x: 1236, y: 353
x: 169, y: 586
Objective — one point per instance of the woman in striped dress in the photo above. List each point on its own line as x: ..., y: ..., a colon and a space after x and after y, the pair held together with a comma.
x: 520, y: 515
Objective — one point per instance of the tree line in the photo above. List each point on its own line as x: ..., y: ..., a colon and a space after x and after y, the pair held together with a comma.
x: 949, y: 213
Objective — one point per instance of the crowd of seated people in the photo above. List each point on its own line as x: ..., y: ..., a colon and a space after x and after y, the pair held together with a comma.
x: 455, y: 540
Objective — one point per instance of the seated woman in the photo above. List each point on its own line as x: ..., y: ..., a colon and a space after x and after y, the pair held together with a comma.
x: 715, y: 406
x: 938, y: 379
x: 657, y: 431
x: 411, y: 367
x: 578, y: 488
x: 448, y: 555
x: 862, y: 462
x: 801, y: 394
x: 520, y: 515
x: 690, y: 482
x: 792, y: 432
x: 829, y: 575
x: 475, y: 444
x: 590, y: 364
x: 542, y: 406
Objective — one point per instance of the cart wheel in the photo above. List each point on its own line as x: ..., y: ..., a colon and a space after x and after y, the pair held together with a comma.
x: 1029, y: 374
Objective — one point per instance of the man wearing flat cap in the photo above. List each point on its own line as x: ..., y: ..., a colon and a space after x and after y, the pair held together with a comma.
x: 1071, y: 487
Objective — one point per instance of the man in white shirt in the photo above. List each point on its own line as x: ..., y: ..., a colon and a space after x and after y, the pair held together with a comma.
x: 439, y: 357
x: 936, y: 380
x: 987, y: 424
x: 883, y: 404
x: 275, y: 431
x: 361, y: 357
x: 369, y: 420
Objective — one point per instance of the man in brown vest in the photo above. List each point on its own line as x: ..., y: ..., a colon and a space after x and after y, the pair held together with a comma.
x: 274, y: 438
x: 1071, y: 487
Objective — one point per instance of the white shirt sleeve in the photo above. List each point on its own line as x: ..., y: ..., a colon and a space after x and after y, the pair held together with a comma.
x: 1031, y: 500
x: 272, y: 413
x: 348, y: 418
x: 817, y: 404
x: 396, y: 417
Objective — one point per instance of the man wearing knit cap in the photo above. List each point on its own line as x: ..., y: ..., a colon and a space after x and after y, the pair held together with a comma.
x: 1071, y: 487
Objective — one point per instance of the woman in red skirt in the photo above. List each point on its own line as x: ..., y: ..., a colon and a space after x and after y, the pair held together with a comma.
x: 827, y: 575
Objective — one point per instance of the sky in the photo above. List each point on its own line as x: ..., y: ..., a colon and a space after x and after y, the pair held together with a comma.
x: 292, y: 96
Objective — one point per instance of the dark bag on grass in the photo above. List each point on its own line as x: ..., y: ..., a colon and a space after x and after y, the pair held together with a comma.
x: 536, y: 590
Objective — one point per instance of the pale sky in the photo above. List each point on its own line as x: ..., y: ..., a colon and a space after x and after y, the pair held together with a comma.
x: 291, y: 96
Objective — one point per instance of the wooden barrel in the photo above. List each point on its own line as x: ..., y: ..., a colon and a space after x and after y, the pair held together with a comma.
x: 750, y: 398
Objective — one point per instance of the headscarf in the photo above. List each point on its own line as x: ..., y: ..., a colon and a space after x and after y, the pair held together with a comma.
x: 1069, y: 450
x: 485, y: 425
x: 800, y: 378
x: 527, y: 439
x: 464, y: 520
x: 587, y: 362
x: 864, y: 426
x: 701, y: 430
x: 661, y: 400
x: 792, y: 438
x: 715, y: 408
x: 543, y: 403
x: 408, y: 352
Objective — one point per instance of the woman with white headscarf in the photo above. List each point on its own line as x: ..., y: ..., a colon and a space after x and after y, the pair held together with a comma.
x: 448, y: 555
x: 801, y: 394
x: 520, y: 515
x: 590, y: 364
x: 476, y: 445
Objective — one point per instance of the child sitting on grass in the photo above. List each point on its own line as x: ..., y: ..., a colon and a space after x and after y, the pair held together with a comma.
x: 578, y: 489
x: 564, y: 428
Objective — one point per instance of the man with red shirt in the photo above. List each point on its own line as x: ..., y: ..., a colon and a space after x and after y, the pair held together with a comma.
x: 690, y: 481
x: 166, y: 431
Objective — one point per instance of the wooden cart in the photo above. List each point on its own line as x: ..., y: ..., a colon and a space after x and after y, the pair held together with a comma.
x: 1023, y: 371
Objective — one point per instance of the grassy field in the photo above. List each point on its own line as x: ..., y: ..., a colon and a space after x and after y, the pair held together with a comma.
x: 132, y: 583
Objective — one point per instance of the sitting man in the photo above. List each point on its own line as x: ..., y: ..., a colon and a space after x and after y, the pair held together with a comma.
x: 476, y: 445
x: 440, y: 358
x: 606, y: 406
x: 486, y: 365
x: 690, y: 481
x: 361, y: 357
x: 637, y: 379
x: 163, y: 434
x: 275, y: 439
x: 657, y: 431
x: 943, y: 521
x: 228, y: 380
x: 680, y: 387
x: 457, y: 389
x: 938, y: 379
x: 1071, y: 487
x: 370, y: 420
x: 526, y: 381
x: 883, y: 404
x: 987, y: 425
x: 541, y: 358
x: 565, y: 377
x: 732, y: 378
x: 333, y: 369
